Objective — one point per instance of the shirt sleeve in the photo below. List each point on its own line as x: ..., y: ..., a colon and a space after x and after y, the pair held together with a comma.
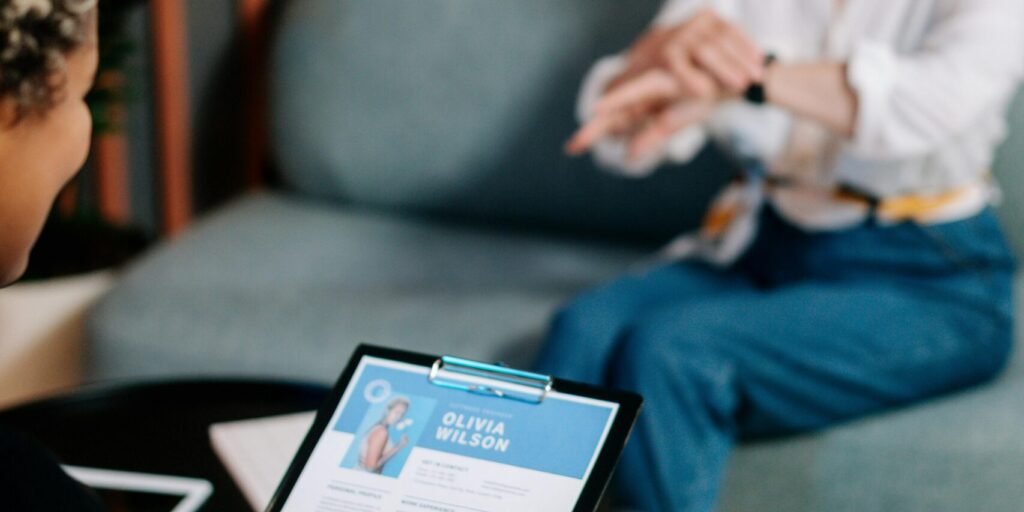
x: 611, y: 152
x: 969, y: 63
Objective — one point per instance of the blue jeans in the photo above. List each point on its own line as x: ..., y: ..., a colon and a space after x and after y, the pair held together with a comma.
x: 806, y: 330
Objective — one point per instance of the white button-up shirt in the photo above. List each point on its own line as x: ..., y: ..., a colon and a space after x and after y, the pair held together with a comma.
x: 933, y: 79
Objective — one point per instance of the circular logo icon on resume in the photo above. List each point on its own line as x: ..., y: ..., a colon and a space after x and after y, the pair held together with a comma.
x: 377, y: 391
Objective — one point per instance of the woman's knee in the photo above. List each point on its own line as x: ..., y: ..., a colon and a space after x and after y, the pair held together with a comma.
x: 681, y: 347
x: 599, y: 315
x: 582, y: 334
x: 1000, y: 350
x: 589, y: 318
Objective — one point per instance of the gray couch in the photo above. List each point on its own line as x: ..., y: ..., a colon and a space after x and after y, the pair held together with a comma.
x: 428, y: 207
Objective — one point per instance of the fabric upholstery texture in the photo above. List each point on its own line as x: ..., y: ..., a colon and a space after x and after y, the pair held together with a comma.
x: 462, y: 108
x: 430, y: 209
x: 281, y: 286
x: 278, y: 286
x: 1009, y: 172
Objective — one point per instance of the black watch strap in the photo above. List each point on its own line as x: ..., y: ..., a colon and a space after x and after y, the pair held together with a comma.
x: 755, y: 93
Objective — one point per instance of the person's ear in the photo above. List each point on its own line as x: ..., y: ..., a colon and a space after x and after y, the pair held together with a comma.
x: 9, y: 115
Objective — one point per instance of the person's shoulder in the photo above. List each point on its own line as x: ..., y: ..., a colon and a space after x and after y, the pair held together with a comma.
x: 378, y: 430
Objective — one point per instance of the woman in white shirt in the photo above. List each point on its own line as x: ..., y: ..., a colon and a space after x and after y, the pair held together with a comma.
x: 853, y: 267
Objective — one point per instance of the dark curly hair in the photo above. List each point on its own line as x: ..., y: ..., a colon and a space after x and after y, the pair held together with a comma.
x: 35, y: 38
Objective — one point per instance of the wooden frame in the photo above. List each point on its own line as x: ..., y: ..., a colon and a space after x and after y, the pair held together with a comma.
x: 170, y: 67
x: 254, y: 27
x: 173, y: 123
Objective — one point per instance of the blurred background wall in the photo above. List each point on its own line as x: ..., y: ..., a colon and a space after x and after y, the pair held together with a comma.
x: 215, y: 107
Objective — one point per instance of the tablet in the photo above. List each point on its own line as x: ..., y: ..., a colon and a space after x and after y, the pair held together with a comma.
x: 403, y: 431
x: 125, y: 490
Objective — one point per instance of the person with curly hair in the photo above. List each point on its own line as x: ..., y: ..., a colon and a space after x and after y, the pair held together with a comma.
x: 48, y: 60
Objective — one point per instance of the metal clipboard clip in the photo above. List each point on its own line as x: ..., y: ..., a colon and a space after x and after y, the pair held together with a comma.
x: 489, y: 379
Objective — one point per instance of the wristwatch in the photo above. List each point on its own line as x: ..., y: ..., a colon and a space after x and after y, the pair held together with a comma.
x: 755, y: 93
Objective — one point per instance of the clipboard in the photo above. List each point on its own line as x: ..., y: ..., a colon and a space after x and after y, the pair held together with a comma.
x: 403, y: 431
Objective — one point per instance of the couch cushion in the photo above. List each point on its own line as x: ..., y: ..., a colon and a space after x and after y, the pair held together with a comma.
x: 279, y: 286
x: 276, y: 286
x: 1009, y: 170
x: 462, y: 107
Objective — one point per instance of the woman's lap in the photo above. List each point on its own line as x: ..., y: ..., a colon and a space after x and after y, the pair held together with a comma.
x: 752, y: 363
x: 805, y: 332
x: 583, y: 334
x: 805, y: 356
x: 965, y: 263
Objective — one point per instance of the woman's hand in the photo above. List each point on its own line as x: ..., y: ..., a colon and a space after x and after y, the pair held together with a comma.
x: 674, y: 77
x: 646, y: 130
x: 708, y: 56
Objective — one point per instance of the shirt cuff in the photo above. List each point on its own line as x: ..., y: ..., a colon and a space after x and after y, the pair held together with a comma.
x: 871, y: 73
x: 594, y: 84
x: 611, y: 153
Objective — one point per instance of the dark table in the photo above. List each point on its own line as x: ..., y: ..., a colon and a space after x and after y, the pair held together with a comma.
x: 158, y: 427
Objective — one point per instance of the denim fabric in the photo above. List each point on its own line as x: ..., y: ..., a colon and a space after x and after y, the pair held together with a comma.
x: 806, y: 330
